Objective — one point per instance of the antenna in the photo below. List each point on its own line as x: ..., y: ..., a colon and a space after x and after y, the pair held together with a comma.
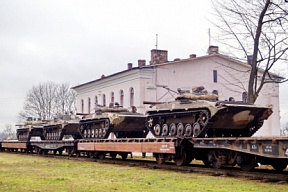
x: 209, y: 36
x: 156, y: 42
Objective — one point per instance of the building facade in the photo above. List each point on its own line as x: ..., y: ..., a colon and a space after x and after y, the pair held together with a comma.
x: 218, y: 73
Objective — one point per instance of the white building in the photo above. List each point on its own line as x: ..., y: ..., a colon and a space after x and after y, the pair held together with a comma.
x: 216, y: 72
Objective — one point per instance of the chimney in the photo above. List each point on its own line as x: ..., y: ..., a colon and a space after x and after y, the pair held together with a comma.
x: 102, y: 76
x: 213, y: 50
x: 141, y: 62
x: 129, y: 66
x: 177, y: 59
x: 249, y: 59
x: 158, y: 56
x: 192, y: 56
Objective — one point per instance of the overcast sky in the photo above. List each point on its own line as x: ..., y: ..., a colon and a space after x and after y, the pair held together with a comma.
x: 78, y: 41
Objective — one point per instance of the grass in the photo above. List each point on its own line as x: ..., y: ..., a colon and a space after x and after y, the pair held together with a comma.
x: 35, y: 173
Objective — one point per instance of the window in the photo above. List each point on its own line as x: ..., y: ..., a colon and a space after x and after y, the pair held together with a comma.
x: 104, y: 99
x: 112, y: 97
x: 89, y: 105
x: 131, y: 96
x: 245, y: 97
x: 82, y: 105
x: 96, y: 102
x: 215, y: 76
x: 121, y: 97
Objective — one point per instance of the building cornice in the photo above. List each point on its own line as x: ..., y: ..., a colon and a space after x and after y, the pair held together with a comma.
x: 116, y: 78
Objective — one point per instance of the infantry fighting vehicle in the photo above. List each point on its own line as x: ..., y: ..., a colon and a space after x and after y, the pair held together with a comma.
x: 202, y: 115
x: 118, y: 120
x: 31, y: 128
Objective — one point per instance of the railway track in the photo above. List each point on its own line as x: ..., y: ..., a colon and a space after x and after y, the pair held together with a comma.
x: 261, y: 174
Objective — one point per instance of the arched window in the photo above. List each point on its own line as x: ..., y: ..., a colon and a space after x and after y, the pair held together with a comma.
x: 96, y: 102
x: 215, y: 92
x: 82, y: 105
x: 104, y: 100
x: 132, y: 96
x: 245, y: 97
x: 89, y: 105
x: 112, y: 97
x: 121, y: 97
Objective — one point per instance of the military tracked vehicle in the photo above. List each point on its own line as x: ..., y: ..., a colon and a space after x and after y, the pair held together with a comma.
x: 203, y: 115
x: 45, y: 129
x: 31, y: 128
x: 99, y: 125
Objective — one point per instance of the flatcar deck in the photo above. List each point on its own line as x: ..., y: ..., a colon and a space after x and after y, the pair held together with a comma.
x: 271, y: 147
x: 218, y: 152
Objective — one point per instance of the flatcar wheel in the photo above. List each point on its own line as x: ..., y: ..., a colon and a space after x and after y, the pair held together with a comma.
x: 157, y: 129
x: 38, y: 151
x: 113, y: 155
x: 124, y: 156
x: 216, y: 164
x: 181, y: 159
x: 180, y: 129
x: 101, y: 155
x: 91, y: 154
x: 78, y: 154
x: 188, y: 130
x: 44, y: 152
x: 172, y: 129
x: 189, y: 159
x: 206, y: 163
x: 280, y: 164
x: 159, y: 160
x: 165, y: 130
x: 70, y: 152
x: 249, y: 163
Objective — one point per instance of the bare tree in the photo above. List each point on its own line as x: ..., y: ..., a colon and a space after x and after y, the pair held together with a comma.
x: 48, y: 99
x: 65, y: 99
x: 259, y: 30
x: 284, y: 130
x: 8, y: 133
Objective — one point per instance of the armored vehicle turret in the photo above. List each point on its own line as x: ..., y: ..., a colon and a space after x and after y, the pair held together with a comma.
x: 203, y: 115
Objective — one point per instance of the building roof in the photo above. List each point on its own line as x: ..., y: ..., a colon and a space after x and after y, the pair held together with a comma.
x: 112, y: 75
x: 172, y: 62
